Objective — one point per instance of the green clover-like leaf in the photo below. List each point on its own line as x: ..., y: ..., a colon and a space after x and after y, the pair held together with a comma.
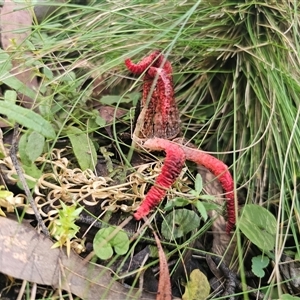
x: 178, y: 223
x: 105, y: 242
x: 258, y: 264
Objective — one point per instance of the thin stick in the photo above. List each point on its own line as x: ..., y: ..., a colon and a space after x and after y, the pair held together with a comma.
x: 22, y: 290
x: 30, y: 200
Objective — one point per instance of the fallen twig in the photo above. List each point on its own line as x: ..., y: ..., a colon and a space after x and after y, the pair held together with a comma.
x: 13, y: 155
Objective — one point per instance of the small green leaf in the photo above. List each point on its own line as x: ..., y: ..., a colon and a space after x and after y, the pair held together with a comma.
x: 10, y: 80
x: 259, y: 226
x: 262, y: 239
x: 258, y: 264
x: 104, y: 248
x: 202, y: 210
x: 198, y: 184
x: 34, y: 172
x: 176, y: 202
x: 35, y: 145
x: 100, y: 121
x: 27, y: 118
x: 169, y: 205
x: 121, y: 243
x: 48, y: 73
x: 22, y: 150
x: 134, y: 98
x: 106, y: 155
x: 64, y: 228
x: 105, y: 252
x: 18, y: 85
x: 5, y: 197
x: 4, y: 193
x: 110, y: 99
x: 83, y: 148
x: 69, y: 77
x: 208, y: 197
x: 178, y: 223
x: 31, y: 145
x: 153, y: 251
x: 30, y: 45
x: 210, y: 205
x: 2, y: 155
x: 113, y: 99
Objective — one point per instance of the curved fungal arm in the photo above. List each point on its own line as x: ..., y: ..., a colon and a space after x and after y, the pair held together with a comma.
x: 176, y: 155
x: 173, y: 164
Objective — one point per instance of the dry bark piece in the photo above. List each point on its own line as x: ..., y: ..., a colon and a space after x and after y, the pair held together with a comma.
x: 27, y: 255
x: 223, y: 245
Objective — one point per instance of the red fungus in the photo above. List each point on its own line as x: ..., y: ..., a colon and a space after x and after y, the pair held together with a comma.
x: 159, y: 124
x: 220, y: 170
x: 155, y: 59
x: 161, y: 117
x: 171, y: 169
x: 217, y: 167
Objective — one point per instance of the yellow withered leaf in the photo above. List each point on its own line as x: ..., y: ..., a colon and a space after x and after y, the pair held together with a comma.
x: 197, y: 288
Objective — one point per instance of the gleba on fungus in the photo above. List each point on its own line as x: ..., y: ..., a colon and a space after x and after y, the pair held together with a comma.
x: 159, y: 123
x: 159, y: 113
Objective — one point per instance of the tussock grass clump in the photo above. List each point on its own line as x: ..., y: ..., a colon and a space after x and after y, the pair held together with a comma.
x: 237, y: 78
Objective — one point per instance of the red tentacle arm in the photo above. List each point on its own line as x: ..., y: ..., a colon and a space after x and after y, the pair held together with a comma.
x: 155, y: 59
x: 217, y: 167
x: 173, y: 164
x: 220, y: 170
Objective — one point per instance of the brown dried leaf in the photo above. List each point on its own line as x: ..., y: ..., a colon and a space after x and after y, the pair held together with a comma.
x: 109, y: 114
x: 164, y: 284
x: 27, y: 255
x: 15, y: 25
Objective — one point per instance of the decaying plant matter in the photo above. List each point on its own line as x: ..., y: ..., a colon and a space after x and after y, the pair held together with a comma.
x: 72, y: 185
